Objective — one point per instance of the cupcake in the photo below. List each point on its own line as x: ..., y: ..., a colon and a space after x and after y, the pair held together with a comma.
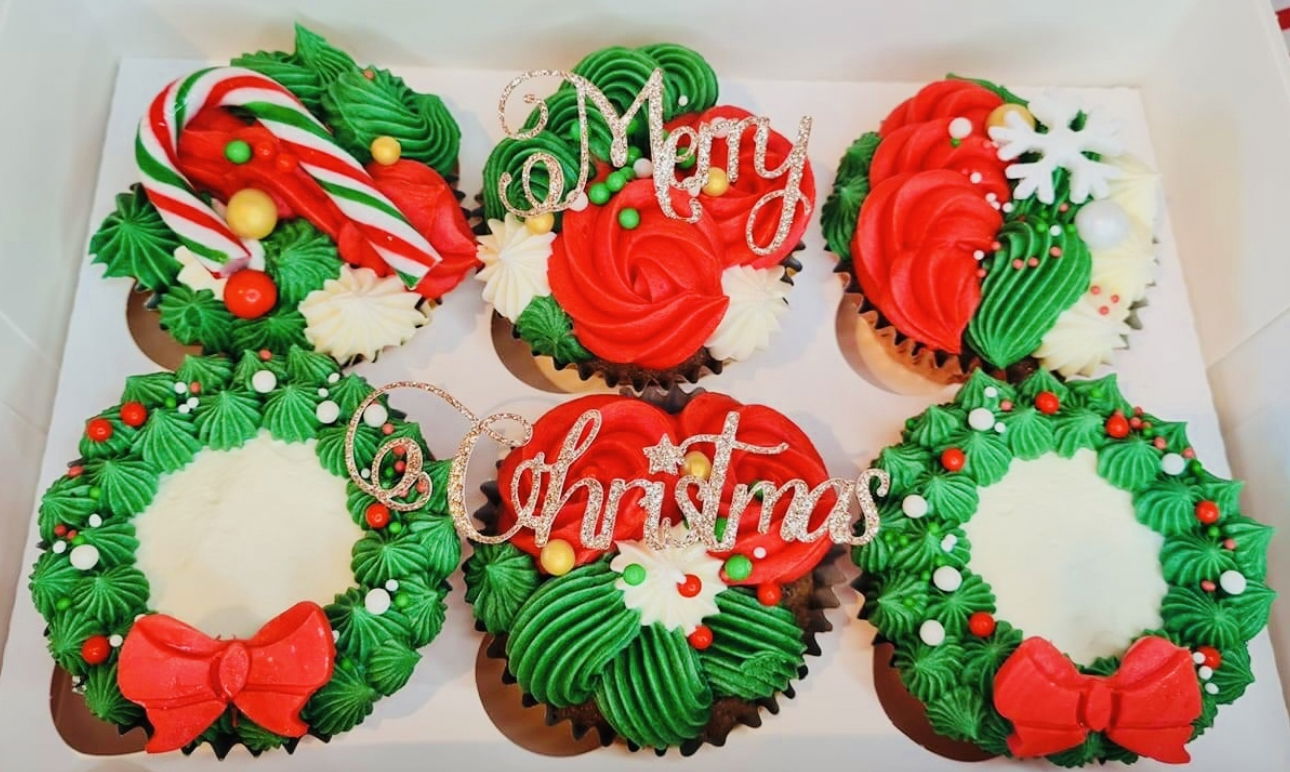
x: 614, y: 288
x: 292, y: 200
x: 1061, y: 576
x: 979, y: 229
x: 666, y: 646
x: 209, y: 572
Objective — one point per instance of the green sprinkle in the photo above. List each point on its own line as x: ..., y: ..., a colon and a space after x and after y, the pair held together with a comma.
x: 95, y: 492
x: 634, y: 574
x: 738, y: 567
x: 62, y: 604
x: 394, y: 527
x: 616, y: 181
x: 171, y: 403
x: 402, y: 600
x: 599, y: 194
x: 633, y: 154
x: 955, y: 141
x: 1213, y: 531
x: 629, y: 218
x: 79, y: 540
x: 237, y: 151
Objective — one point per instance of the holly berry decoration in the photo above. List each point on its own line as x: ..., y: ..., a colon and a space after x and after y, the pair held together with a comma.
x: 377, y: 515
x: 250, y: 294
x: 134, y: 414
x: 98, y: 429
x: 981, y: 624
x: 1210, y: 657
x: 95, y: 650
x: 953, y: 459
x: 1047, y: 402
x: 769, y: 594
x: 1117, y: 426
x: 701, y: 638
x: 1207, y: 512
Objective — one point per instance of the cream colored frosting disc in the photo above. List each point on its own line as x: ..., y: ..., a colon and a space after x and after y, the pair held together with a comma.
x: 1066, y: 557
x: 238, y: 536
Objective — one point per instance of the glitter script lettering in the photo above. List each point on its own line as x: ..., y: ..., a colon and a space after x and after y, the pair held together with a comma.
x: 666, y: 152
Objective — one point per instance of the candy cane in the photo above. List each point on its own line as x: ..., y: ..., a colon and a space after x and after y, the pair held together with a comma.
x: 343, y: 179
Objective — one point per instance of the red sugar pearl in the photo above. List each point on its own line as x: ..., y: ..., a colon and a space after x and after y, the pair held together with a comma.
x: 134, y: 414
x: 1096, y: 290
x: 387, y: 428
x: 377, y: 515
x: 1055, y: 251
x: 1229, y: 544
x: 1006, y: 406
x: 701, y: 638
x: 1159, y: 442
x: 953, y: 459
x: 60, y: 530
x: 95, y: 649
x: 691, y: 586
x: 1018, y: 264
x: 1207, y: 585
x: 98, y: 429
x: 981, y: 624
x: 75, y: 471
x: 1033, y: 262
x: 399, y: 466
x: 1207, y: 512
x: 1117, y: 426
x: 1212, y: 656
x: 1103, y: 310
x: 769, y: 594
x: 195, y: 387
x: 1047, y: 402
x: 1188, y: 453
x: 266, y: 354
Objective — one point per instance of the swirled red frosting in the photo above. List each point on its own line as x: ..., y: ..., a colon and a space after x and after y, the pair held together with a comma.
x: 943, y: 99
x: 650, y: 295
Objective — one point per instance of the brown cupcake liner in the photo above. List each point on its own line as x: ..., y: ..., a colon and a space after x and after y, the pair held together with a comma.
x: 807, y: 598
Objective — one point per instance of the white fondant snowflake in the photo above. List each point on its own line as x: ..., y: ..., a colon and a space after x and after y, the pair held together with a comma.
x: 1060, y: 147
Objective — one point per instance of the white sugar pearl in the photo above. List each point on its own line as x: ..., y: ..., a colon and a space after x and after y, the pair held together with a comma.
x: 375, y: 414
x: 991, y: 197
x: 327, y: 412
x: 85, y: 556
x: 1211, y: 688
x: 947, y: 578
x: 115, y: 641
x: 377, y: 601
x: 180, y: 388
x: 579, y: 202
x: 264, y: 381
x: 978, y: 254
x: 59, y: 547
x: 932, y: 632
x: 1102, y: 224
x: 981, y: 419
x: 1205, y: 672
x: 643, y: 167
x: 682, y: 101
x: 192, y: 403
x: 759, y: 552
x: 1232, y: 582
x: 1000, y: 427
x: 961, y: 128
x: 1055, y: 230
x: 1173, y: 464
x: 914, y: 505
x: 335, y: 635
x: 365, y: 473
x: 95, y: 520
x: 392, y: 585
x: 990, y: 392
x: 1198, y: 658
x: 185, y: 409
x: 1008, y: 207
x: 975, y: 178
x: 949, y: 542
x: 333, y: 377
x: 322, y: 391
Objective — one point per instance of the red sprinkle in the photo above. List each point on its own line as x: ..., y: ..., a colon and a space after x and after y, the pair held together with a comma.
x: 1047, y: 402
x: 980, y: 272
x: 953, y: 459
x: 1032, y: 262
x: 981, y: 624
x: 399, y: 451
x: 1006, y: 406
x: 1117, y: 426
x: 1207, y: 512
x: 399, y: 466
x: 266, y: 354
x: 60, y: 529
x: 1159, y: 442
x: 71, y: 534
x: 1135, y: 422
x: 995, y: 246
x: 377, y: 515
x: 1096, y: 290
x: 769, y: 594
x: 1188, y: 453
x: 368, y: 73
x: 1018, y: 264
x: 691, y: 587
x: 1115, y: 298
x: 1064, y: 207
x: 1137, y: 410
x: 75, y: 471
x: 95, y: 650
x: 1229, y: 544
x: 1055, y: 251
x: 195, y: 387
x: 1212, y: 656
x: 1207, y: 585
x: 1103, y: 310
x: 701, y: 638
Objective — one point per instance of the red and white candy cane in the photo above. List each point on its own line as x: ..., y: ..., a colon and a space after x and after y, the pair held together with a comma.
x: 343, y: 179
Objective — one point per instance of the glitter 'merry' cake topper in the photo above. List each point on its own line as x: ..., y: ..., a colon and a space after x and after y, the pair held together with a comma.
x: 664, y: 153
x: 603, y: 498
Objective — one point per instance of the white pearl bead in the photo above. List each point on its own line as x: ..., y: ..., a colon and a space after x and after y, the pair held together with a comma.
x: 1173, y: 464
x: 579, y: 202
x: 914, y: 506
x: 327, y: 412
x: 264, y: 381
x: 95, y: 520
x: 975, y: 178
x: 115, y: 641
x: 375, y: 414
x: 960, y: 128
x: 333, y: 377
x: 1055, y: 230
x: 322, y: 391
x: 932, y: 632
x: 1211, y: 688
x: 947, y: 578
x: 392, y: 585
x: 1205, y: 672
x: 643, y: 167
x: 59, y: 547
x: 1232, y: 582
x: 981, y: 419
x: 1001, y: 427
x: 1102, y: 224
x: 180, y: 387
x: 1198, y: 658
x: 192, y: 403
x: 376, y: 601
x: 682, y: 101
x: 949, y: 542
x: 990, y: 392
x: 185, y: 409
x: 759, y: 552
x: 85, y: 556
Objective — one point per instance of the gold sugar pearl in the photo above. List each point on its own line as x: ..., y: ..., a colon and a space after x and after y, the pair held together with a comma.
x: 718, y: 183
x: 386, y: 150
x: 557, y: 557
x: 999, y: 115
x: 698, y: 465
x: 539, y: 224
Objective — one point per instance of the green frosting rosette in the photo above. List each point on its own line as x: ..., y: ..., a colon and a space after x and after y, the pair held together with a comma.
x: 89, y: 584
x: 1049, y: 251
x: 320, y: 273
x: 985, y: 680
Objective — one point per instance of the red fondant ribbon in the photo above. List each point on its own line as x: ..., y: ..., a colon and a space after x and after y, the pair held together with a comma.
x: 1147, y: 706
x: 185, y: 679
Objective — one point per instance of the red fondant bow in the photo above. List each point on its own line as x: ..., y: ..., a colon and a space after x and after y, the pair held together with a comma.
x: 1147, y: 706
x: 185, y: 679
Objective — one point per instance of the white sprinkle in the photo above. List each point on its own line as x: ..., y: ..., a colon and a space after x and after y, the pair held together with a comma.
x: 759, y: 552
x: 85, y: 556
x: 375, y: 414
x: 643, y: 167
x: 974, y: 178
x: 365, y: 473
x: 990, y: 392
x: 1055, y: 230
x: 914, y: 506
x: 1211, y: 688
x: 327, y: 412
x: 949, y: 542
x: 333, y: 377
x: 392, y: 585
x: 377, y: 601
x: 978, y: 254
x: 991, y: 197
x: 192, y: 403
x: 180, y: 388
x: 264, y: 381
x: 1205, y: 672
x: 335, y: 635
x: 1198, y: 658
x: 1173, y: 464
x: 185, y: 409
x: 322, y: 391
x: 981, y: 419
x: 115, y: 641
x: 1232, y: 582
x: 947, y: 578
x: 95, y: 520
x: 961, y: 128
x: 932, y: 632
x: 682, y: 101
x: 1008, y: 207
x: 1000, y: 427
x: 59, y: 547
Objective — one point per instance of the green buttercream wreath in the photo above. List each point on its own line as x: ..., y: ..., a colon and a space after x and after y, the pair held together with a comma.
x: 1136, y: 452
x: 164, y: 420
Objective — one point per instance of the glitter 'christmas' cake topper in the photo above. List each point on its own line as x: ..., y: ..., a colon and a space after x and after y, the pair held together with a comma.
x: 666, y: 154
x: 603, y: 497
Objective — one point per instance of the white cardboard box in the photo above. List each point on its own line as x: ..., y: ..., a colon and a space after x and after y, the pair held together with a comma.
x: 1208, y: 77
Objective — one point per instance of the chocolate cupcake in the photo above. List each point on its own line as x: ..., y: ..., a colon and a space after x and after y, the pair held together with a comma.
x: 292, y: 199
x: 660, y: 646
x: 612, y: 286
x: 979, y: 229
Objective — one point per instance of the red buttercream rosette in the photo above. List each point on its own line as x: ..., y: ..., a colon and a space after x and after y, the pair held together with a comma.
x: 649, y: 295
x: 730, y: 210
x: 927, y: 213
x: 631, y: 425
x: 420, y: 193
